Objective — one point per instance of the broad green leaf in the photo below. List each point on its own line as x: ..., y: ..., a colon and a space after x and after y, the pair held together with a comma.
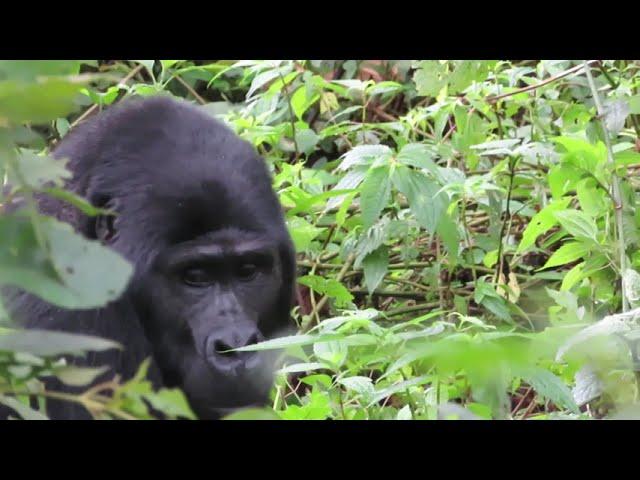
x: 541, y: 222
x: 328, y: 286
x: 37, y: 102
x: 448, y: 231
x: 73, y: 273
x: 171, y: 402
x: 36, y: 171
x: 593, y: 200
x: 359, y: 384
x: 31, y: 70
x: 578, y: 224
x: 302, y: 233
x: 573, y: 276
x: 364, y: 155
x: 418, y: 155
x: 48, y: 343
x: 375, y: 266
x: 301, y: 101
x: 430, y: 78
x: 375, y: 193
x: 549, y: 386
x: 426, y: 201
x: 306, y: 140
x: 567, y: 253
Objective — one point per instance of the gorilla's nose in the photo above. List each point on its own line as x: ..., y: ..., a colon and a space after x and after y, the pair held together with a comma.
x: 220, y: 344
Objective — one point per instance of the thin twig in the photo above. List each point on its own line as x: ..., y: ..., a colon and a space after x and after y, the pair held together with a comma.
x: 549, y: 80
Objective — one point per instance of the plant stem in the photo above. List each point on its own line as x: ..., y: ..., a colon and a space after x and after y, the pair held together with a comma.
x: 615, y: 187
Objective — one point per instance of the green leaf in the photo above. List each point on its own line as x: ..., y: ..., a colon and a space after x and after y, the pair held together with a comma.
x: 287, y: 342
x: 593, y: 200
x: 375, y: 192
x: 418, y: 155
x: 301, y: 101
x: 578, y: 224
x: 171, y: 402
x: 430, y: 78
x: 306, y: 140
x: 48, y: 343
x: 549, y: 386
x: 25, y: 412
x: 572, y: 277
x: 73, y: 273
x: 302, y: 233
x: 448, y: 231
x: 567, y: 253
x: 328, y: 286
x: 36, y: 171
x: 426, y: 201
x: 37, y: 102
x: 78, y: 376
x: 31, y: 70
x: 364, y: 155
x: 541, y: 222
x: 375, y: 266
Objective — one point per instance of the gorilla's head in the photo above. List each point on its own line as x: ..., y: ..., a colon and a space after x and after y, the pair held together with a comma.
x: 197, y: 216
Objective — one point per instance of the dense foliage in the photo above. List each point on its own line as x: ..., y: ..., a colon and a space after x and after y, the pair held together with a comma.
x: 467, y: 232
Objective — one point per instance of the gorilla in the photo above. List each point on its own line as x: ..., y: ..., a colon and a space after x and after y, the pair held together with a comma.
x: 214, y: 265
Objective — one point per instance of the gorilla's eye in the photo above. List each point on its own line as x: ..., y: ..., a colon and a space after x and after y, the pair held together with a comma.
x: 197, y: 277
x: 247, y: 271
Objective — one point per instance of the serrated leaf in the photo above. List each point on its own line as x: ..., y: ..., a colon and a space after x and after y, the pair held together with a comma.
x: 587, y: 387
x: 171, y: 402
x: 375, y: 266
x: 426, y: 201
x: 578, y: 224
x: 375, y: 193
x: 364, y: 155
x: 418, y: 155
x: 327, y: 286
x: 550, y: 386
x: 358, y: 384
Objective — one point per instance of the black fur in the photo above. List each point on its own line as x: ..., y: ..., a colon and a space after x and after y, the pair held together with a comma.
x: 174, y: 176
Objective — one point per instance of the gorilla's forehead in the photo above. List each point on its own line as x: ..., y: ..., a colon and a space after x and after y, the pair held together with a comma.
x: 208, y: 207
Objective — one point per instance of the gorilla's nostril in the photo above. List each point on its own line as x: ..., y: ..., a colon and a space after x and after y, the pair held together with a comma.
x: 221, y: 348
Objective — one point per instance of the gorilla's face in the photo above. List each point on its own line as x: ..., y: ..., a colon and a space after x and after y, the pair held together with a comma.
x: 201, y: 299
